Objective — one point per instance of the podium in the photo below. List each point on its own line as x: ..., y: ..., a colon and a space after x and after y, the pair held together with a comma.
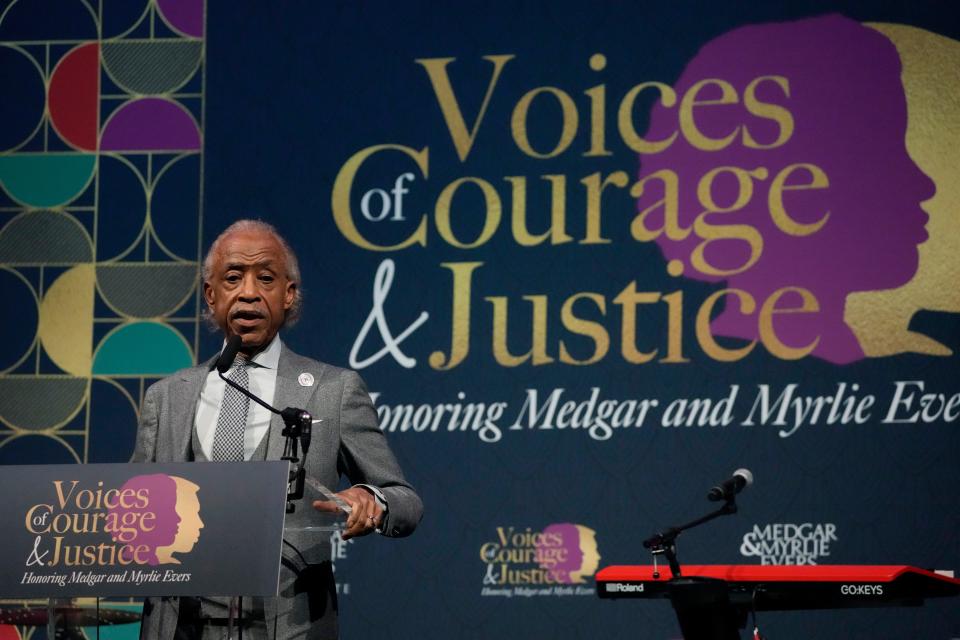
x: 712, y: 602
x: 76, y: 533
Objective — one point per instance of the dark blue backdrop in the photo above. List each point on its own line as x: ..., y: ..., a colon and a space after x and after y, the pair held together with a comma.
x: 287, y: 93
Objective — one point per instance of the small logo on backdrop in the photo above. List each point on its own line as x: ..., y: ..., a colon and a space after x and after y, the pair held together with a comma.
x: 147, y: 521
x: 554, y: 561
x: 788, y: 543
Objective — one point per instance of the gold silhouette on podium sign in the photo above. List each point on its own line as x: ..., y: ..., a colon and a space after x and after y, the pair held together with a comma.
x: 931, y: 82
x: 188, y: 531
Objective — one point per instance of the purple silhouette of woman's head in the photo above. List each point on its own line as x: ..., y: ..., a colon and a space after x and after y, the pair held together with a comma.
x: 151, y: 494
x: 816, y: 103
x: 561, y: 543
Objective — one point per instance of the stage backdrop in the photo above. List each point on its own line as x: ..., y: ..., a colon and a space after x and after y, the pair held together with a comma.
x: 589, y: 257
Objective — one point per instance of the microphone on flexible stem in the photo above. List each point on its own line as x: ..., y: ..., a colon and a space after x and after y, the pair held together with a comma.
x: 291, y: 415
x: 229, y: 354
x: 740, y: 480
x: 225, y: 361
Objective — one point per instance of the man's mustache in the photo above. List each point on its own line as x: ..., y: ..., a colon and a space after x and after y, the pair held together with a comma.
x: 246, y: 314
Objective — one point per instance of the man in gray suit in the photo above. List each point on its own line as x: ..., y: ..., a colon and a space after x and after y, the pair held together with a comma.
x: 251, y: 283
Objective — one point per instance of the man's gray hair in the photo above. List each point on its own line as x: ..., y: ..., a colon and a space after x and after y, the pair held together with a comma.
x: 290, y: 260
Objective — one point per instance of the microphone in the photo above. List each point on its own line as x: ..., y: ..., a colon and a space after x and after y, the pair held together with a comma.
x: 741, y: 479
x: 229, y: 354
x: 291, y: 416
x: 225, y: 361
x: 298, y: 424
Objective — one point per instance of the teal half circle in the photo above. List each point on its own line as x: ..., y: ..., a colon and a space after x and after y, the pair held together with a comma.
x: 46, y: 179
x: 142, y: 349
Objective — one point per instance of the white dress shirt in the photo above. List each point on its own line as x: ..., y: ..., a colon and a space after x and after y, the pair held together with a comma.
x: 262, y: 375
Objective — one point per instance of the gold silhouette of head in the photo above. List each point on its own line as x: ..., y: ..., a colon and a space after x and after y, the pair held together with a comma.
x: 188, y: 530
x: 931, y: 82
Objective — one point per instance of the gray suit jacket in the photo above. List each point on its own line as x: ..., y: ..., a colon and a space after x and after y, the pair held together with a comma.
x: 347, y: 442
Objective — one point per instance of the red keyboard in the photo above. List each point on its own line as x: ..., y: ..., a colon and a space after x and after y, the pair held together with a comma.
x: 769, y: 588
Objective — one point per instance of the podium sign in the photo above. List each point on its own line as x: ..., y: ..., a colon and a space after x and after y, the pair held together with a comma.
x: 142, y: 529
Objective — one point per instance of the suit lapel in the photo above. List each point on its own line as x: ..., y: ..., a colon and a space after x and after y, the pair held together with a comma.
x: 185, y: 406
x: 289, y: 393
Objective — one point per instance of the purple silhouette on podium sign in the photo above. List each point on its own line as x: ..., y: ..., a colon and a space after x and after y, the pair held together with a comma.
x: 172, y: 523
x: 157, y: 495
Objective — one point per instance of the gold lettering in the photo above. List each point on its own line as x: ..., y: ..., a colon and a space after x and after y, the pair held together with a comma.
x: 460, y: 316
x: 343, y: 186
x: 674, y: 328
x: 710, y: 232
x: 628, y: 299
x: 768, y: 334
x: 593, y: 330
x: 668, y: 98
x: 492, y: 212
x: 669, y: 203
x: 778, y: 212
x: 705, y: 337
x: 62, y: 497
x: 28, y: 520
x: 518, y: 122
x: 598, y: 108
x: 450, y: 107
x: 538, y: 330
x: 518, y: 221
x: 688, y: 125
x: 595, y: 187
x: 768, y: 111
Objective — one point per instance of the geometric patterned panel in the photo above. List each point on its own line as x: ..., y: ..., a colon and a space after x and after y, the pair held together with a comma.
x: 104, y: 101
x: 100, y: 101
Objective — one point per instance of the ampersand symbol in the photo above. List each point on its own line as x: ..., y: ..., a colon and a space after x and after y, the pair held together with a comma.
x: 381, y: 287
x: 35, y: 556
x: 749, y: 546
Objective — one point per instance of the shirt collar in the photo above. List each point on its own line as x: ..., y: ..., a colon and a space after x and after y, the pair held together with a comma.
x: 268, y: 358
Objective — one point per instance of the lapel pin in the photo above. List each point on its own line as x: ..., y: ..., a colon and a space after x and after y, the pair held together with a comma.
x: 305, y: 379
